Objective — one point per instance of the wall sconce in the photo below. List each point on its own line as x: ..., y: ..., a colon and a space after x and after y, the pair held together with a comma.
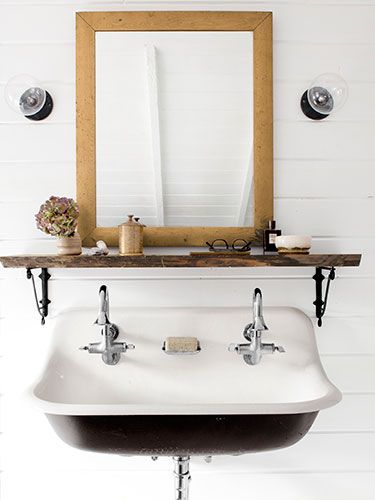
x: 327, y: 92
x: 25, y: 95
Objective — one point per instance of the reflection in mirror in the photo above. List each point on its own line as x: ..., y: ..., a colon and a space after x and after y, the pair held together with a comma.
x: 174, y: 128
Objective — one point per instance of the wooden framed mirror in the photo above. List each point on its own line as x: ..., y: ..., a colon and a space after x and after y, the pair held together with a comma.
x: 174, y: 124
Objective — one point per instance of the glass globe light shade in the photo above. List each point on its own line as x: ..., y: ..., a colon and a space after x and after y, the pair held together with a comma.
x: 25, y: 95
x: 327, y: 92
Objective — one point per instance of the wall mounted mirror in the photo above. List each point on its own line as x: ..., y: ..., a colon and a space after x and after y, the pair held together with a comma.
x: 174, y: 124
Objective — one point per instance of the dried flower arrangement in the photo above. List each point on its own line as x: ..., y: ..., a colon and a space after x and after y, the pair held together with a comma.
x: 58, y: 217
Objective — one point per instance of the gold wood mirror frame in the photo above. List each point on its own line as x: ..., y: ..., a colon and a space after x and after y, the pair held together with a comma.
x: 87, y: 24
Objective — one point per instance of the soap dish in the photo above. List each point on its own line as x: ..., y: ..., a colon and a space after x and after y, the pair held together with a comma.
x: 181, y: 345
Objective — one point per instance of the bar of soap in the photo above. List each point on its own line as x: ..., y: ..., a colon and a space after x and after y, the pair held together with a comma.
x: 181, y: 344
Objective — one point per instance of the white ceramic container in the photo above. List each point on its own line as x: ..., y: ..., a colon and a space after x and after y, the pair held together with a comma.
x: 293, y: 244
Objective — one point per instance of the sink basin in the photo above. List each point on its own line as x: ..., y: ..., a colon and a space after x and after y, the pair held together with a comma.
x: 209, y: 403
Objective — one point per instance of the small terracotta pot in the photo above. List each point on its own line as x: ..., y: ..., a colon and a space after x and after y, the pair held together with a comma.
x: 71, y: 245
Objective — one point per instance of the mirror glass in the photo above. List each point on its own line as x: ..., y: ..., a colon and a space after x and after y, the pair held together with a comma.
x: 174, y: 128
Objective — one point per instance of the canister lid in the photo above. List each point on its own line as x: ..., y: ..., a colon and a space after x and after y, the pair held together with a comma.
x: 131, y: 221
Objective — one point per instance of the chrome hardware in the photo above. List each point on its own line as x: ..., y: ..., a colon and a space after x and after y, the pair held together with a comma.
x: 111, y: 351
x: 182, y: 477
x: 252, y: 352
x: 103, y: 314
x: 258, y: 323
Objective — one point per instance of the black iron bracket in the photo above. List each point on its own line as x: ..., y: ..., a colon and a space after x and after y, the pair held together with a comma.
x: 41, y: 305
x: 320, y: 303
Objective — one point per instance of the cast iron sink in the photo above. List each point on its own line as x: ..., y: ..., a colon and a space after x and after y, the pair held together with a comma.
x: 205, y: 404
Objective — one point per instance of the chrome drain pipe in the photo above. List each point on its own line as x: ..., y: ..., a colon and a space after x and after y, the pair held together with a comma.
x: 182, y: 477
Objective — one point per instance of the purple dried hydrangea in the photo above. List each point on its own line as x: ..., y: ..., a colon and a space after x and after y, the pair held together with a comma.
x: 58, y: 216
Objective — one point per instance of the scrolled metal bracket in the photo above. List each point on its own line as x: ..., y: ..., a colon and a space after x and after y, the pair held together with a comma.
x: 41, y: 305
x: 320, y: 303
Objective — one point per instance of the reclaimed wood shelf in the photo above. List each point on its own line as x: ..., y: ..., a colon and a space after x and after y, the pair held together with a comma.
x: 181, y: 261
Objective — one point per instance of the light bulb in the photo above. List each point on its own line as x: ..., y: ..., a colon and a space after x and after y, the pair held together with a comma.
x: 326, y: 93
x: 25, y: 95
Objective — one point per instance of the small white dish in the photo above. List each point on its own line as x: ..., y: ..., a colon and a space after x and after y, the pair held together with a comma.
x: 293, y: 244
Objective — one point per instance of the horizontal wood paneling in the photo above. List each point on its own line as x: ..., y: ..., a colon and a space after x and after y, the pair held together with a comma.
x: 237, y: 4
x: 293, y: 178
x: 324, y: 179
x: 93, y: 4
x: 205, y: 485
x: 40, y: 142
x: 353, y: 374
x: 315, y: 142
x: 286, y: 105
x: 345, y: 299
x: 60, y: 138
x: 293, y: 61
x: 21, y: 176
x: 309, y: 24
x: 355, y: 413
x: 35, y: 59
x: 233, y: 292
x: 296, y: 216
x: 346, y: 336
x: 331, y: 217
x: 2, y: 374
x: 324, y: 185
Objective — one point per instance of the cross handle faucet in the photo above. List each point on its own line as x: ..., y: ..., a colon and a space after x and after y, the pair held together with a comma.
x: 109, y: 349
x: 252, y: 352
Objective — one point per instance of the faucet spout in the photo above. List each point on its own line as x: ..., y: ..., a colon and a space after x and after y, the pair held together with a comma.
x: 258, y: 323
x: 103, y: 314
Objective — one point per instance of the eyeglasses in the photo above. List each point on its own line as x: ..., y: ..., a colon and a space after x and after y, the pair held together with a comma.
x: 221, y: 245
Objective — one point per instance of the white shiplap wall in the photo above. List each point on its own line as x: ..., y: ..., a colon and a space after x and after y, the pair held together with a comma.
x: 325, y: 183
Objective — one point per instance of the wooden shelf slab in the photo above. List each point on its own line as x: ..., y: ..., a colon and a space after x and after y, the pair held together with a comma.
x: 181, y: 261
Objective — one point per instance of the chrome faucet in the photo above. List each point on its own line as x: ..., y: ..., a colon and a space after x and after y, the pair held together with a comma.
x: 253, y: 351
x: 103, y: 314
x: 110, y: 350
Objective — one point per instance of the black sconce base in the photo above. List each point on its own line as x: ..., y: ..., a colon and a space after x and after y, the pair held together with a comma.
x: 308, y: 110
x: 45, y: 111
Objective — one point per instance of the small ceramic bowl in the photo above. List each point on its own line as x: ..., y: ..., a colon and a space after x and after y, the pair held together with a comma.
x: 293, y: 244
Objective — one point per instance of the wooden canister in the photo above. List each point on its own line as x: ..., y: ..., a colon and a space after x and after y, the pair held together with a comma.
x: 131, y: 237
